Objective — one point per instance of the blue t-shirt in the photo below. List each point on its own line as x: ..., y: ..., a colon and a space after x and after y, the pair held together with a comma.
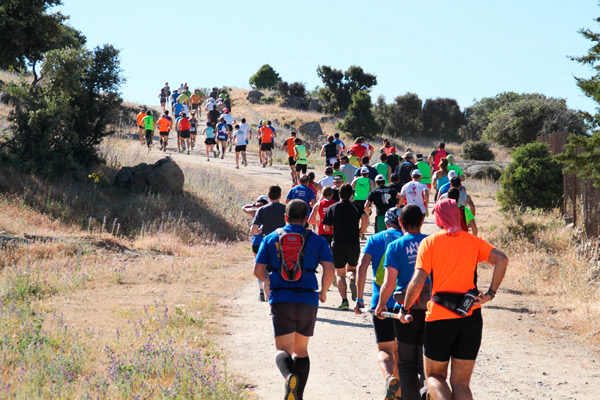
x: 316, y: 250
x: 301, y: 192
x: 340, y: 143
x: 402, y: 255
x: 444, y: 189
x: 375, y: 247
x: 174, y: 96
x: 210, y: 132
x: 178, y: 108
x: 222, y: 131
x: 257, y: 239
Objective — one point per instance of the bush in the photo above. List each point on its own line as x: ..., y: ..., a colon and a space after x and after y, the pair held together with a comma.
x: 477, y: 151
x: 360, y: 120
x: 264, y: 78
x: 533, y: 179
x: 283, y: 88
x: 297, y: 89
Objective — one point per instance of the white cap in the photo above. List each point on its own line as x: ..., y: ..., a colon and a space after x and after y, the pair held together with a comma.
x: 379, y: 178
x: 364, y: 170
x: 262, y: 199
x: 416, y: 172
x: 452, y: 174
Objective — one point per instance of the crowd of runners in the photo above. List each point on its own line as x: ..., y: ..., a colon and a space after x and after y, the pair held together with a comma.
x: 425, y: 301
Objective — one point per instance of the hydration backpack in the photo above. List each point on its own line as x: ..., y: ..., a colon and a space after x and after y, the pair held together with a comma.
x: 290, y: 251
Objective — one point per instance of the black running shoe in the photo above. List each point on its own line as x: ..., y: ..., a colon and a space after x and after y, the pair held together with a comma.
x: 261, y: 296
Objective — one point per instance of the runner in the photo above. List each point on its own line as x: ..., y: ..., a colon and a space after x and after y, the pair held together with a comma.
x: 440, y: 177
x: 142, y: 128
x: 250, y: 209
x: 373, y: 253
x: 222, y: 136
x: 467, y: 219
x: 358, y: 149
x: 337, y: 171
x: 464, y: 199
x: 210, y: 105
x: 174, y: 96
x: 266, y: 140
x: 415, y: 192
x: 384, y: 198
x: 399, y: 265
x: 393, y: 159
x: 193, y: 130
x: 167, y: 91
x: 425, y: 169
x: 387, y: 148
x: 288, y: 144
x: 319, y: 211
x: 327, y: 180
x: 315, y: 186
x: 148, y: 123
x: 240, y: 146
x: 454, y: 167
x: 301, y: 154
x: 383, y: 168
x: 230, y: 121
x: 247, y: 130
x: 195, y: 99
x: 405, y: 169
x: 349, y: 224
x: 164, y: 127
x: 347, y: 169
x: 177, y: 109
x: 337, y: 141
x: 227, y: 102
x: 272, y: 137
x: 331, y: 151
x: 302, y: 192
x: 294, y: 304
x: 436, y: 156
x: 354, y: 160
x: 451, y: 257
x: 209, y: 141
x: 338, y: 181
x: 362, y: 186
x: 370, y: 150
x: 183, y: 126
x: 364, y: 162
x: 395, y: 183
x: 162, y: 96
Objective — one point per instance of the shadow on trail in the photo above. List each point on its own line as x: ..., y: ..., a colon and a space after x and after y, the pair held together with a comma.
x: 522, y: 310
x: 343, y: 323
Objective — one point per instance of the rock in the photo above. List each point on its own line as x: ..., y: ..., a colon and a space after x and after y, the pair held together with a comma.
x: 316, y: 105
x: 324, y: 120
x: 2, y: 83
x: 287, y: 126
x: 163, y: 176
x: 479, y: 171
x: 311, y: 128
x: 6, y: 98
x: 295, y: 102
x: 254, y: 96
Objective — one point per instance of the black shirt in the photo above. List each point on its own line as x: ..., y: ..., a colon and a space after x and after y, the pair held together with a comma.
x: 336, y: 194
x: 271, y: 217
x: 404, y: 170
x: 384, y: 198
x: 330, y: 150
x: 393, y: 161
x: 345, y: 218
x: 396, y: 187
x: 214, y: 115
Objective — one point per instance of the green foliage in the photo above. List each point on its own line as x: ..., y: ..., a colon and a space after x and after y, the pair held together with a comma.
x: 359, y: 121
x: 28, y: 31
x: 533, y: 179
x: 341, y: 86
x: 477, y: 151
x: 591, y: 86
x: 57, y: 126
x: 581, y: 157
x: 264, y: 78
x: 442, y: 118
x: 524, y: 121
x: 402, y: 118
x: 283, y: 88
x: 298, y: 89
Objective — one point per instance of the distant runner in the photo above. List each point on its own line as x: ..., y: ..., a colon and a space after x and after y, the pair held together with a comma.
x: 148, y: 123
x: 384, y: 198
x: 193, y: 130
x: 301, y: 154
x: 266, y: 137
x: 288, y: 144
x: 164, y: 127
x: 318, y: 213
x: 251, y: 210
x: 331, y: 151
x: 436, y: 156
x: 142, y: 128
x: 183, y: 125
x: 222, y: 136
x: 209, y: 141
x: 240, y: 146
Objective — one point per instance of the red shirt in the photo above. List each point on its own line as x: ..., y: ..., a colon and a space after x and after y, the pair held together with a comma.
x: 322, y: 208
x: 358, y: 150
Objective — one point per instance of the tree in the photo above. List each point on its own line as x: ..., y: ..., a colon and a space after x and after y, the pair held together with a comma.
x: 533, y: 179
x: 442, y: 118
x: 264, y: 78
x: 359, y: 121
x: 283, y: 88
x: 341, y: 86
x: 581, y: 157
x: 591, y: 86
x: 28, y: 31
x: 524, y: 121
x: 298, y: 89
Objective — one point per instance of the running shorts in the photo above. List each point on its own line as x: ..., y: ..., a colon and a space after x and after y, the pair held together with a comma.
x: 457, y: 338
x: 194, y: 106
x: 291, y: 161
x: 301, y: 168
x: 293, y: 317
x: 330, y: 161
x: 360, y: 204
x: 384, y: 330
x: 241, y: 147
x: 345, y: 253
x: 184, y: 134
x: 210, y: 141
x: 411, y: 333
x: 164, y: 133
x: 149, y: 135
x: 163, y: 100
x: 222, y: 137
x: 229, y: 128
x: 255, y: 249
x: 265, y: 147
x: 380, y: 223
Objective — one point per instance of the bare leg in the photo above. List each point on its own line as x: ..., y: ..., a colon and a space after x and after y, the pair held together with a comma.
x: 341, y: 282
x: 436, y: 373
x: 460, y: 378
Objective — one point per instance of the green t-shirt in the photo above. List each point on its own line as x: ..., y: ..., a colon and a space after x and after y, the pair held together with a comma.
x: 456, y: 168
x: 382, y: 168
x: 340, y: 173
x: 362, y: 188
x: 468, y: 215
x: 149, y: 122
x: 302, y: 159
x: 425, y: 172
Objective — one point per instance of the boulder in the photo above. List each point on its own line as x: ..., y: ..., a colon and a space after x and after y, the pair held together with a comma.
x: 482, y: 171
x: 163, y: 176
x: 254, y: 96
x: 295, y: 102
x: 324, y: 120
x: 287, y: 126
x: 311, y: 128
x: 316, y: 105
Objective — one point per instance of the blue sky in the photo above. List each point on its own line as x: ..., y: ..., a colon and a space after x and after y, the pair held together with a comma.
x: 466, y: 49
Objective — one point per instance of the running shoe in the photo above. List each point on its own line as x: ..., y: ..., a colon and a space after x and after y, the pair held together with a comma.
x: 391, y: 387
x: 208, y: 159
x: 353, y: 289
x: 270, y: 162
x: 264, y: 165
x: 344, y: 306
x: 188, y: 152
x: 291, y: 384
x: 215, y: 154
x: 165, y: 148
x: 237, y: 167
x: 223, y: 155
x: 261, y: 296
x: 245, y: 163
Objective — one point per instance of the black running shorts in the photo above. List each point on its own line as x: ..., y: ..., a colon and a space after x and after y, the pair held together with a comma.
x: 291, y: 161
x: 457, y: 338
x: 241, y: 147
x: 301, y: 168
x: 265, y: 147
x: 164, y: 133
x: 194, y: 106
x: 411, y: 333
x: 384, y: 330
x: 294, y: 317
x: 184, y: 134
x: 210, y: 141
x: 345, y: 253
x: 328, y: 237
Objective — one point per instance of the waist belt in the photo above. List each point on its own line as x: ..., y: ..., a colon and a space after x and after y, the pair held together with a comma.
x: 448, y: 300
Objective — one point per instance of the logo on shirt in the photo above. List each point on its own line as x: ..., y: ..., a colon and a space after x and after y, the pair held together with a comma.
x: 412, y: 248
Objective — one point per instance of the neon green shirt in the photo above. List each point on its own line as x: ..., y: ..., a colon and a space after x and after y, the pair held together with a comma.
x: 468, y: 215
x: 340, y: 173
x: 382, y: 168
x: 302, y: 158
x: 425, y: 172
x: 149, y: 122
x: 362, y: 188
x: 456, y: 168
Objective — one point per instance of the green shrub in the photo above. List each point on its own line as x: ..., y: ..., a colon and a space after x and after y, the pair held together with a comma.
x: 477, y: 151
x: 360, y: 120
x: 265, y: 77
x: 283, y: 88
x: 297, y: 89
x: 533, y: 179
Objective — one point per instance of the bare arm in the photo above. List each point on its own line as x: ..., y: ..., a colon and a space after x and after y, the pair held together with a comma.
x: 500, y: 262
x: 368, y: 207
x: 312, y: 219
x: 327, y: 279
x: 260, y: 271
x: 364, y: 224
x: 323, y: 151
x: 471, y: 205
x: 255, y: 229
x: 363, y: 266
x: 387, y: 289
x: 473, y: 226
x: 414, y: 288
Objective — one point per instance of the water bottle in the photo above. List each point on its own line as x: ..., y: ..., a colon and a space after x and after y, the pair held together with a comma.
x: 467, y: 302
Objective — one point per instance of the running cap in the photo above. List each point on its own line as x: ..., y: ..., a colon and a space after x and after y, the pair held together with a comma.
x: 378, y: 178
x: 452, y: 174
x: 264, y: 122
x: 450, y: 159
x: 262, y: 199
x: 419, y: 157
x: 364, y: 170
x: 226, y: 110
x: 416, y: 172
x: 338, y: 178
x: 392, y: 215
x: 408, y: 154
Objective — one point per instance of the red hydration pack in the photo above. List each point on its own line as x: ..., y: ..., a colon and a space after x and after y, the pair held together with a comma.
x: 184, y: 124
x: 290, y: 251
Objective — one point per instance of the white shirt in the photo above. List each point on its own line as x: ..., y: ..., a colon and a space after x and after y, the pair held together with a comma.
x: 326, y: 181
x: 413, y: 192
x: 240, y: 137
x: 246, y: 128
x: 228, y: 118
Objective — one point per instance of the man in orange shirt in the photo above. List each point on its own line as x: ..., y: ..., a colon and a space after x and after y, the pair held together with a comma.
x: 164, y: 127
x: 453, y: 323
x: 288, y: 145
x: 195, y: 99
x: 266, y: 144
x: 141, y: 115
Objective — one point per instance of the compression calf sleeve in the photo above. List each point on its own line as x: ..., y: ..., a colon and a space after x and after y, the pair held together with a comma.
x: 301, y: 369
x: 285, y: 363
